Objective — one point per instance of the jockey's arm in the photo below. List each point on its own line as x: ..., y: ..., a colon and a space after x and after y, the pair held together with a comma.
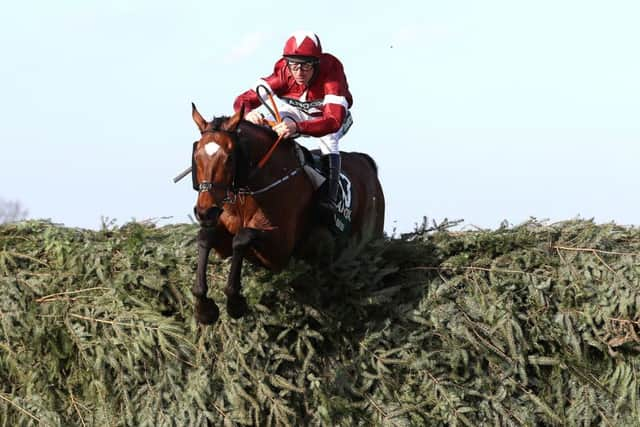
x: 250, y: 98
x: 334, y: 113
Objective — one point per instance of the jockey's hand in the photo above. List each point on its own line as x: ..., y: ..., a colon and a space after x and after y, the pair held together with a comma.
x: 286, y: 128
x: 255, y: 117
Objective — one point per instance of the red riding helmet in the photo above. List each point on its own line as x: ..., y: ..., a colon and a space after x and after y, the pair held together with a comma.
x: 303, y: 45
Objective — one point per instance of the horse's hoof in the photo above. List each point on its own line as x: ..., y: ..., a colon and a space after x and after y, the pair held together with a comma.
x: 206, y: 311
x: 237, y: 306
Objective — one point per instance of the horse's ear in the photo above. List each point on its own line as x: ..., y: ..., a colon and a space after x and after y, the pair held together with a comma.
x: 200, y: 121
x: 232, y: 124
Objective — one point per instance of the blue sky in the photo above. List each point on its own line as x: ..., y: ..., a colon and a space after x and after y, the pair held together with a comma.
x: 484, y: 111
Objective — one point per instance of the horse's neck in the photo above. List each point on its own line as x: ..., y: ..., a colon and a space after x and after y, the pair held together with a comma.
x: 261, y: 140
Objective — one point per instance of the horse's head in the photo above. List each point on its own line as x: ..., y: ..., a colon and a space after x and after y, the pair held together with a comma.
x: 218, y: 164
x: 225, y: 159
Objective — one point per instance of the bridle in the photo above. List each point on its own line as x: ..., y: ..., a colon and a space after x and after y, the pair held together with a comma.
x: 230, y: 190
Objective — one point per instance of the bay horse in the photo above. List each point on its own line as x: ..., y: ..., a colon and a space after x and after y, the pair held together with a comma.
x: 264, y: 213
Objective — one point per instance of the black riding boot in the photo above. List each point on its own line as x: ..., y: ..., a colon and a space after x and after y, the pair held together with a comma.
x: 329, y: 203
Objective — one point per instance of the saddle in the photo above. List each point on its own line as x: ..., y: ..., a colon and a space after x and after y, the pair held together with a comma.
x: 316, y: 168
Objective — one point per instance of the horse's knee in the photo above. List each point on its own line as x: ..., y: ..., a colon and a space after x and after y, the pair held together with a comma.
x: 244, y: 238
x: 241, y: 242
x: 206, y: 236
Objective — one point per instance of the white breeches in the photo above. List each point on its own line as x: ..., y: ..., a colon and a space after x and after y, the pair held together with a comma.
x: 329, y: 143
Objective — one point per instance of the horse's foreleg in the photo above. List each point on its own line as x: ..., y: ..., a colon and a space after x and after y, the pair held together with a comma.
x: 236, y: 303
x: 206, y: 311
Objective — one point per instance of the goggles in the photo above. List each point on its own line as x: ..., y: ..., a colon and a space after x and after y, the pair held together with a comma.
x: 298, y: 66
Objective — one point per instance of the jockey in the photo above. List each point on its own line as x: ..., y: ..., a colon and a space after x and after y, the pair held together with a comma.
x: 313, y: 99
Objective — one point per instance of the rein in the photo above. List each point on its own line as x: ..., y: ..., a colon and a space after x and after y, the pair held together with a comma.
x: 275, y: 113
x: 247, y: 192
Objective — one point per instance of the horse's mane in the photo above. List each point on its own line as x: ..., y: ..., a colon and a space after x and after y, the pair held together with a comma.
x: 217, y: 122
x: 254, y: 131
x: 257, y: 131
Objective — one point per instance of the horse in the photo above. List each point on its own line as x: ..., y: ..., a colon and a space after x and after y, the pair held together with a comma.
x: 264, y: 212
